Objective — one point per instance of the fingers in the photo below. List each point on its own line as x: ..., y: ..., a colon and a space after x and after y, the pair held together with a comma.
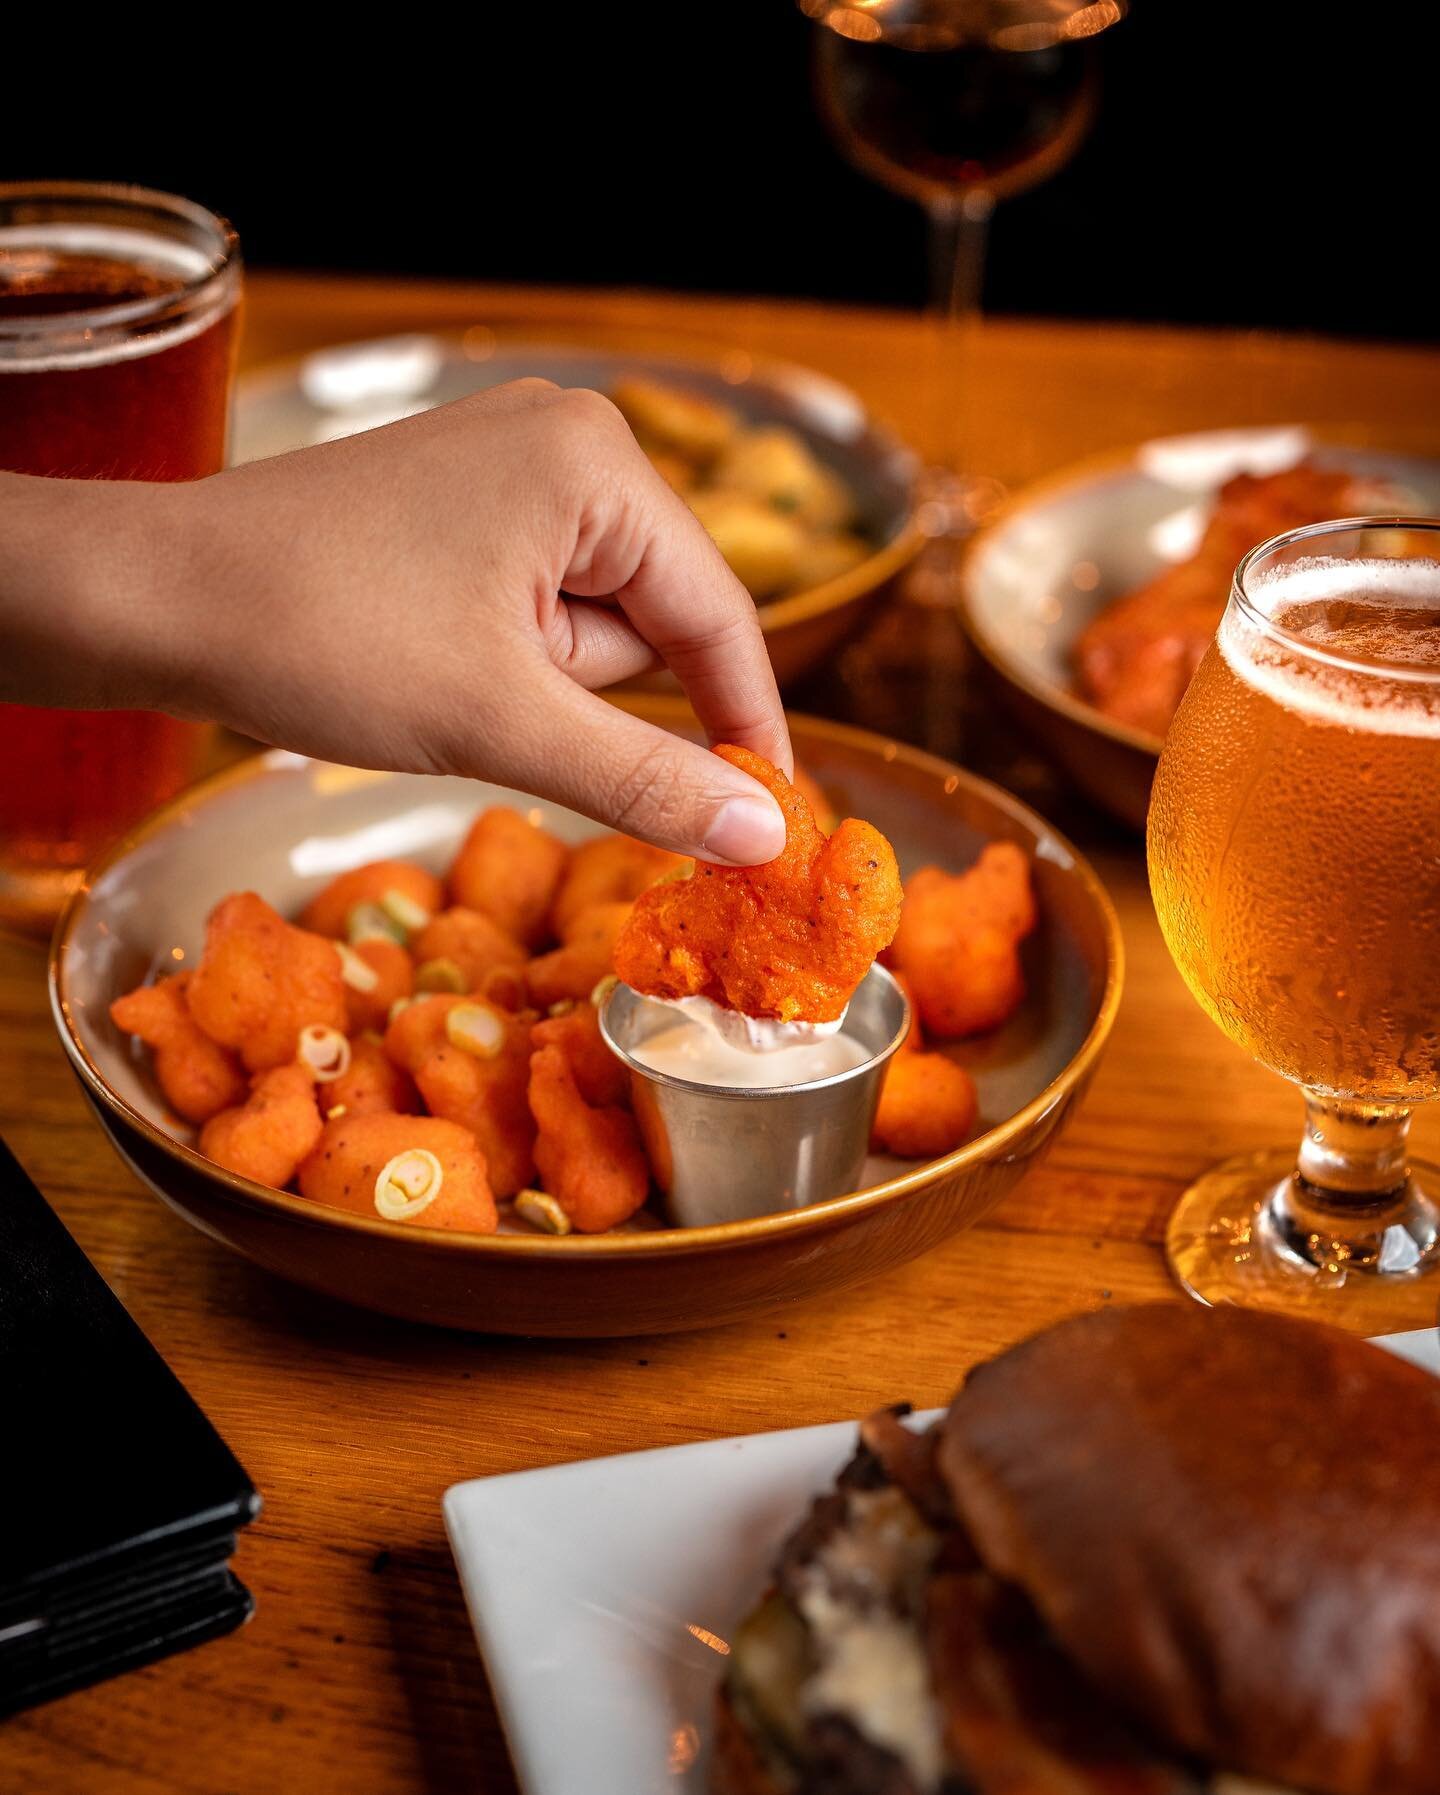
x: 641, y: 544
x: 597, y: 646
x: 726, y: 674
x: 644, y: 781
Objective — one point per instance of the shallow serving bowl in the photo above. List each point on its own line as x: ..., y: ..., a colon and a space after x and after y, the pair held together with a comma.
x: 1064, y: 547
x: 284, y: 826
x: 357, y: 386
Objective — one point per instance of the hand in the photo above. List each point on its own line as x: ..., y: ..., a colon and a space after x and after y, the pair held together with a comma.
x: 444, y: 595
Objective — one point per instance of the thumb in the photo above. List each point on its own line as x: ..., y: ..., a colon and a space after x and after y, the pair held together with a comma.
x: 643, y: 780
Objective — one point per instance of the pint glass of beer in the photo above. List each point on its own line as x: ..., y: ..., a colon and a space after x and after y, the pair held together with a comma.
x: 1294, y: 847
x: 117, y: 324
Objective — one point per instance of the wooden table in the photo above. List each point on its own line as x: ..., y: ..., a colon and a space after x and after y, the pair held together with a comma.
x: 359, y: 1671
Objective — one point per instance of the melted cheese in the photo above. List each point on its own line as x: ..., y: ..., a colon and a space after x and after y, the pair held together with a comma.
x: 872, y: 1665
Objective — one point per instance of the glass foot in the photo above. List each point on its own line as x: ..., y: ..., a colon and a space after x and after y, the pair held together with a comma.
x: 1250, y: 1232
x: 953, y: 506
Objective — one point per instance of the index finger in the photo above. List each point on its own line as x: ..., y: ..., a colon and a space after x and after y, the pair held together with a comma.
x: 682, y: 598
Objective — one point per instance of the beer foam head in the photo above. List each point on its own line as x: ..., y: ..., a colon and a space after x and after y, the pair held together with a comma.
x: 1361, y: 648
x: 184, y: 263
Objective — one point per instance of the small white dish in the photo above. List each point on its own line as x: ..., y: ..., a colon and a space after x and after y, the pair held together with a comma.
x: 603, y: 1593
x: 1421, y: 1346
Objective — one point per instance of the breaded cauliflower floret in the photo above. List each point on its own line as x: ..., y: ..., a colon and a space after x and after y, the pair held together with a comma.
x: 790, y: 939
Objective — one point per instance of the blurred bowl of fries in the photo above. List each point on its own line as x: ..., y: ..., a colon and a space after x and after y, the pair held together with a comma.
x: 808, y: 499
x: 287, y: 826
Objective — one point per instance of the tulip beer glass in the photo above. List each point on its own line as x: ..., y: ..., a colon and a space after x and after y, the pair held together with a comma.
x: 1294, y: 848
x: 117, y: 322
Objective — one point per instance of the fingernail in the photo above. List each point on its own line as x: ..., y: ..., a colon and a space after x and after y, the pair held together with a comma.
x: 745, y: 831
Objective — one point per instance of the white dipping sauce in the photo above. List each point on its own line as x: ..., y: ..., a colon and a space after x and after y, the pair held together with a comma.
x: 751, y: 1034
x: 682, y: 1048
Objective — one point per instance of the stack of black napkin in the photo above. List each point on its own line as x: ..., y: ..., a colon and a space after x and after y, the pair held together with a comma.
x: 118, y: 1500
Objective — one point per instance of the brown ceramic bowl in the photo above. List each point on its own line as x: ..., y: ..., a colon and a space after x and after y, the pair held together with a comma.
x: 1065, y: 546
x: 283, y: 825
x: 353, y: 386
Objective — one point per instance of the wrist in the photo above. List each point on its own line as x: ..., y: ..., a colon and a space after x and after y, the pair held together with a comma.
x: 85, y: 607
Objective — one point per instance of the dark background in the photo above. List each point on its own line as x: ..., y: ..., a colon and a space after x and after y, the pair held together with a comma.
x: 1268, y: 162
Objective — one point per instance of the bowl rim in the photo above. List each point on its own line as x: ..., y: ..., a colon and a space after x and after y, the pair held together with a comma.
x: 816, y: 1218
x: 884, y: 561
x: 1088, y: 470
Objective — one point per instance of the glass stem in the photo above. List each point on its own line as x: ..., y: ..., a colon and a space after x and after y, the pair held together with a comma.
x: 1353, y: 1152
x: 959, y: 227
x: 959, y: 231
x: 1351, y: 1203
x: 950, y: 502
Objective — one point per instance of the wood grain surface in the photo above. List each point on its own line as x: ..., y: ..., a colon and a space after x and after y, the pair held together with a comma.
x: 359, y: 1671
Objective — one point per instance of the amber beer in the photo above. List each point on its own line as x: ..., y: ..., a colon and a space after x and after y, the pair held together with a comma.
x: 1294, y: 833
x: 117, y: 319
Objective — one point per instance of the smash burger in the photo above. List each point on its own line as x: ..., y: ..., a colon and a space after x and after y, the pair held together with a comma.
x: 1152, y: 1551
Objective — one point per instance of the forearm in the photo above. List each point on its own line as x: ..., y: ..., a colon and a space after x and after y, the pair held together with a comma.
x: 85, y: 614
x: 445, y: 594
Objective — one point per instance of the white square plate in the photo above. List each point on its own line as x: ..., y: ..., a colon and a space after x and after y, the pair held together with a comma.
x: 603, y: 1593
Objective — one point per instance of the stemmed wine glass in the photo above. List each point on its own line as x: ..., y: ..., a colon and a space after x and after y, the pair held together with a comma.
x: 957, y: 104
x: 1293, y: 858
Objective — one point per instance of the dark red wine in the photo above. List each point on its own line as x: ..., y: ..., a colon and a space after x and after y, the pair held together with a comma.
x: 938, y: 101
